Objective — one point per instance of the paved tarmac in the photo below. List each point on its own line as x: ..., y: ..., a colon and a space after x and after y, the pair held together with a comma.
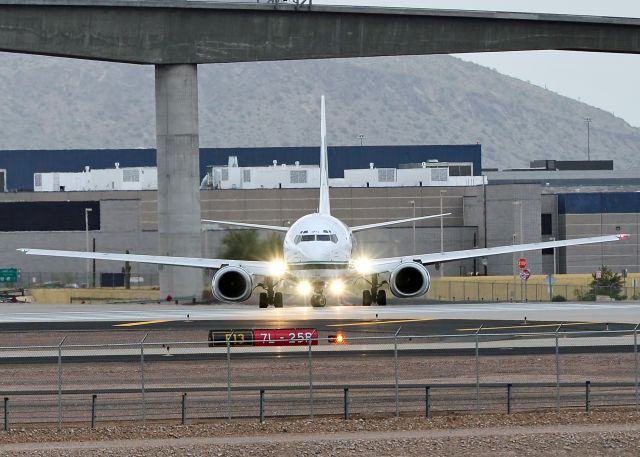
x: 614, y: 312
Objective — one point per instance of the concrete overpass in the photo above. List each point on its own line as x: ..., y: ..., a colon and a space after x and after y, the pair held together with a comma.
x: 176, y: 36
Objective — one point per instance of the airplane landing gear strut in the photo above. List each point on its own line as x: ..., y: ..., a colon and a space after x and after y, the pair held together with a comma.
x: 375, y: 294
x: 270, y: 297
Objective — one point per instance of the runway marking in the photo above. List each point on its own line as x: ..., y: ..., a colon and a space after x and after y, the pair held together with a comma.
x: 134, y: 324
x: 398, y: 321
x: 524, y: 326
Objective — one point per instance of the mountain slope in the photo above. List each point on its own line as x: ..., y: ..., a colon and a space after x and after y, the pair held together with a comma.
x: 54, y: 103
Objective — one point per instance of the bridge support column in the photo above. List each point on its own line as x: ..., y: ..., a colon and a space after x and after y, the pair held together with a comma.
x: 178, y: 176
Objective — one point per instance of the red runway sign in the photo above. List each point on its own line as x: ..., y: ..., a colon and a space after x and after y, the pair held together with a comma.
x: 522, y: 263
x: 285, y: 337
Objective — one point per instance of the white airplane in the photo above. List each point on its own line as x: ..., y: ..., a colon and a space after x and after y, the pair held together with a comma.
x: 318, y: 259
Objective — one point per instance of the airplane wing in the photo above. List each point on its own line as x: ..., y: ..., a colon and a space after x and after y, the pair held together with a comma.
x: 276, y: 228
x: 252, y: 267
x: 387, y: 264
x: 359, y: 228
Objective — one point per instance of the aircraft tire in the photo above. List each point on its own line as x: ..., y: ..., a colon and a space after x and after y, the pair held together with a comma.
x: 366, y: 298
x: 263, y: 300
x: 318, y: 301
x: 381, y: 298
x: 277, y: 300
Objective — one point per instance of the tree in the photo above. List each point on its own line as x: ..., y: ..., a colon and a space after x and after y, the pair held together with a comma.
x: 271, y: 247
x: 609, y: 283
x: 248, y: 245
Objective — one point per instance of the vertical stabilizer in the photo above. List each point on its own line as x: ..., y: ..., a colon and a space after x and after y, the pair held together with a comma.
x: 324, y: 207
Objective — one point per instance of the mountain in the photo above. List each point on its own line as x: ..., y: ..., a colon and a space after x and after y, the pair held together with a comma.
x: 55, y: 103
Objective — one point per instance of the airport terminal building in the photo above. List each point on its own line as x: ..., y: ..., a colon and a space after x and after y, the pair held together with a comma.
x: 369, y: 184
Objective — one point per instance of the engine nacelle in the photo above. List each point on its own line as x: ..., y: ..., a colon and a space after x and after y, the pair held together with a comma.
x: 232, y: 284
x: 409, y: 280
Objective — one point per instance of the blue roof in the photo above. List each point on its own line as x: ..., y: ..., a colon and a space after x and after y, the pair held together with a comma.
x: 21, y: 165
x: 599, y: 202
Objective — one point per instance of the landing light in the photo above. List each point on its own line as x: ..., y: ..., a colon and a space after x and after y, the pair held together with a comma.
x: 304, y: 288
x: 362, y: 265
x: 336, y: 287
x: 277, y: 268
x: 337, y: 338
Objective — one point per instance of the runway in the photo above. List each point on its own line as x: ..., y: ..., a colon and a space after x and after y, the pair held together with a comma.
x: 627, y: 312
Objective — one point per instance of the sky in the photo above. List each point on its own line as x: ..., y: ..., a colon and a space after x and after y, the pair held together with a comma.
x: 607, y: 81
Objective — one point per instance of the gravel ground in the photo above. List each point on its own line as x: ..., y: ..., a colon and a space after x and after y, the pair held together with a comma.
x: 606, y: 432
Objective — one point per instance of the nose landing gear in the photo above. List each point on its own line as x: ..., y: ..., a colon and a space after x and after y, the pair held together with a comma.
x: 375, y: 295
x: 318, y: 300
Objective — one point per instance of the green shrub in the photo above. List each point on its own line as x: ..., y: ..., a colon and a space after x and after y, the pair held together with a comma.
x: 558, y: 298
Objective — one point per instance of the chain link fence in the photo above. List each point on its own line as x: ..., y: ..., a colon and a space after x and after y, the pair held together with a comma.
x: 72, y: 380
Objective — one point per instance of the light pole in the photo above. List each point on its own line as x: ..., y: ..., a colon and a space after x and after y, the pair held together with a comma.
x: 520, y: 241
x: 587, y: 120
x: 555, y: 267
x: 86, y: 235
x: 413, y: 224
x: 361, y: 138
x: 442, y: 192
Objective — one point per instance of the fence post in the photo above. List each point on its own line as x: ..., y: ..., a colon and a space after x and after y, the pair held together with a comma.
x: 93, y: 411
x: 587, y: 396
x: 558, y: 369
x: 478, y: 368
x: 509, y: 397
x: 60, y: 383
x: 310, y: 379
x: 229, y: 378
x: 427, y: 401
x: 6, y: 414
x: 635, y: 356
x: 346, y: 403
x: 183, y: 412
x: 395, y: 356
x: 142, y: 387
x: 261, y: 405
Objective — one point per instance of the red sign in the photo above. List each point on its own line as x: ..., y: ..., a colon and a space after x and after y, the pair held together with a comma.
x: 522, y: 263
x: 525, y: 274
x: 285, y: 337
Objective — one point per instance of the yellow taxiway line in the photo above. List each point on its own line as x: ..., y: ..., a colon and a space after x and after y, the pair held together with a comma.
x: 135, y: 324
x: 510, y: 327
x: 399, y: 321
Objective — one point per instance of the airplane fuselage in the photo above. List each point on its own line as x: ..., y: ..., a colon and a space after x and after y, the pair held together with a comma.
x: 318, y: 247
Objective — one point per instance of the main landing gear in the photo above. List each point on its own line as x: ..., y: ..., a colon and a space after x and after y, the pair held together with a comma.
x: 375, y: 295
x: 270, y: 297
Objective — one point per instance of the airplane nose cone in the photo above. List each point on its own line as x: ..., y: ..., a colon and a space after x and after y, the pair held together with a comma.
x: 315, y: 253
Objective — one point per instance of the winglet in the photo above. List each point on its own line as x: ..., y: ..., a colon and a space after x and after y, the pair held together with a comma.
x: 324, y: 207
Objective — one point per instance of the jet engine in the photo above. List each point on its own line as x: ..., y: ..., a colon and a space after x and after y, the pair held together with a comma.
x: 409, y: 280
x: 232, y: 284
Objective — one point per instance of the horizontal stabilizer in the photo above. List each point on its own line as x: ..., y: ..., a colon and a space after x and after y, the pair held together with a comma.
x: 247, y: 225
x: 359, y: 228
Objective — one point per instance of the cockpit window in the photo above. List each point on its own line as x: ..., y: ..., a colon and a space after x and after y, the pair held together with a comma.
x: 302, y: 238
